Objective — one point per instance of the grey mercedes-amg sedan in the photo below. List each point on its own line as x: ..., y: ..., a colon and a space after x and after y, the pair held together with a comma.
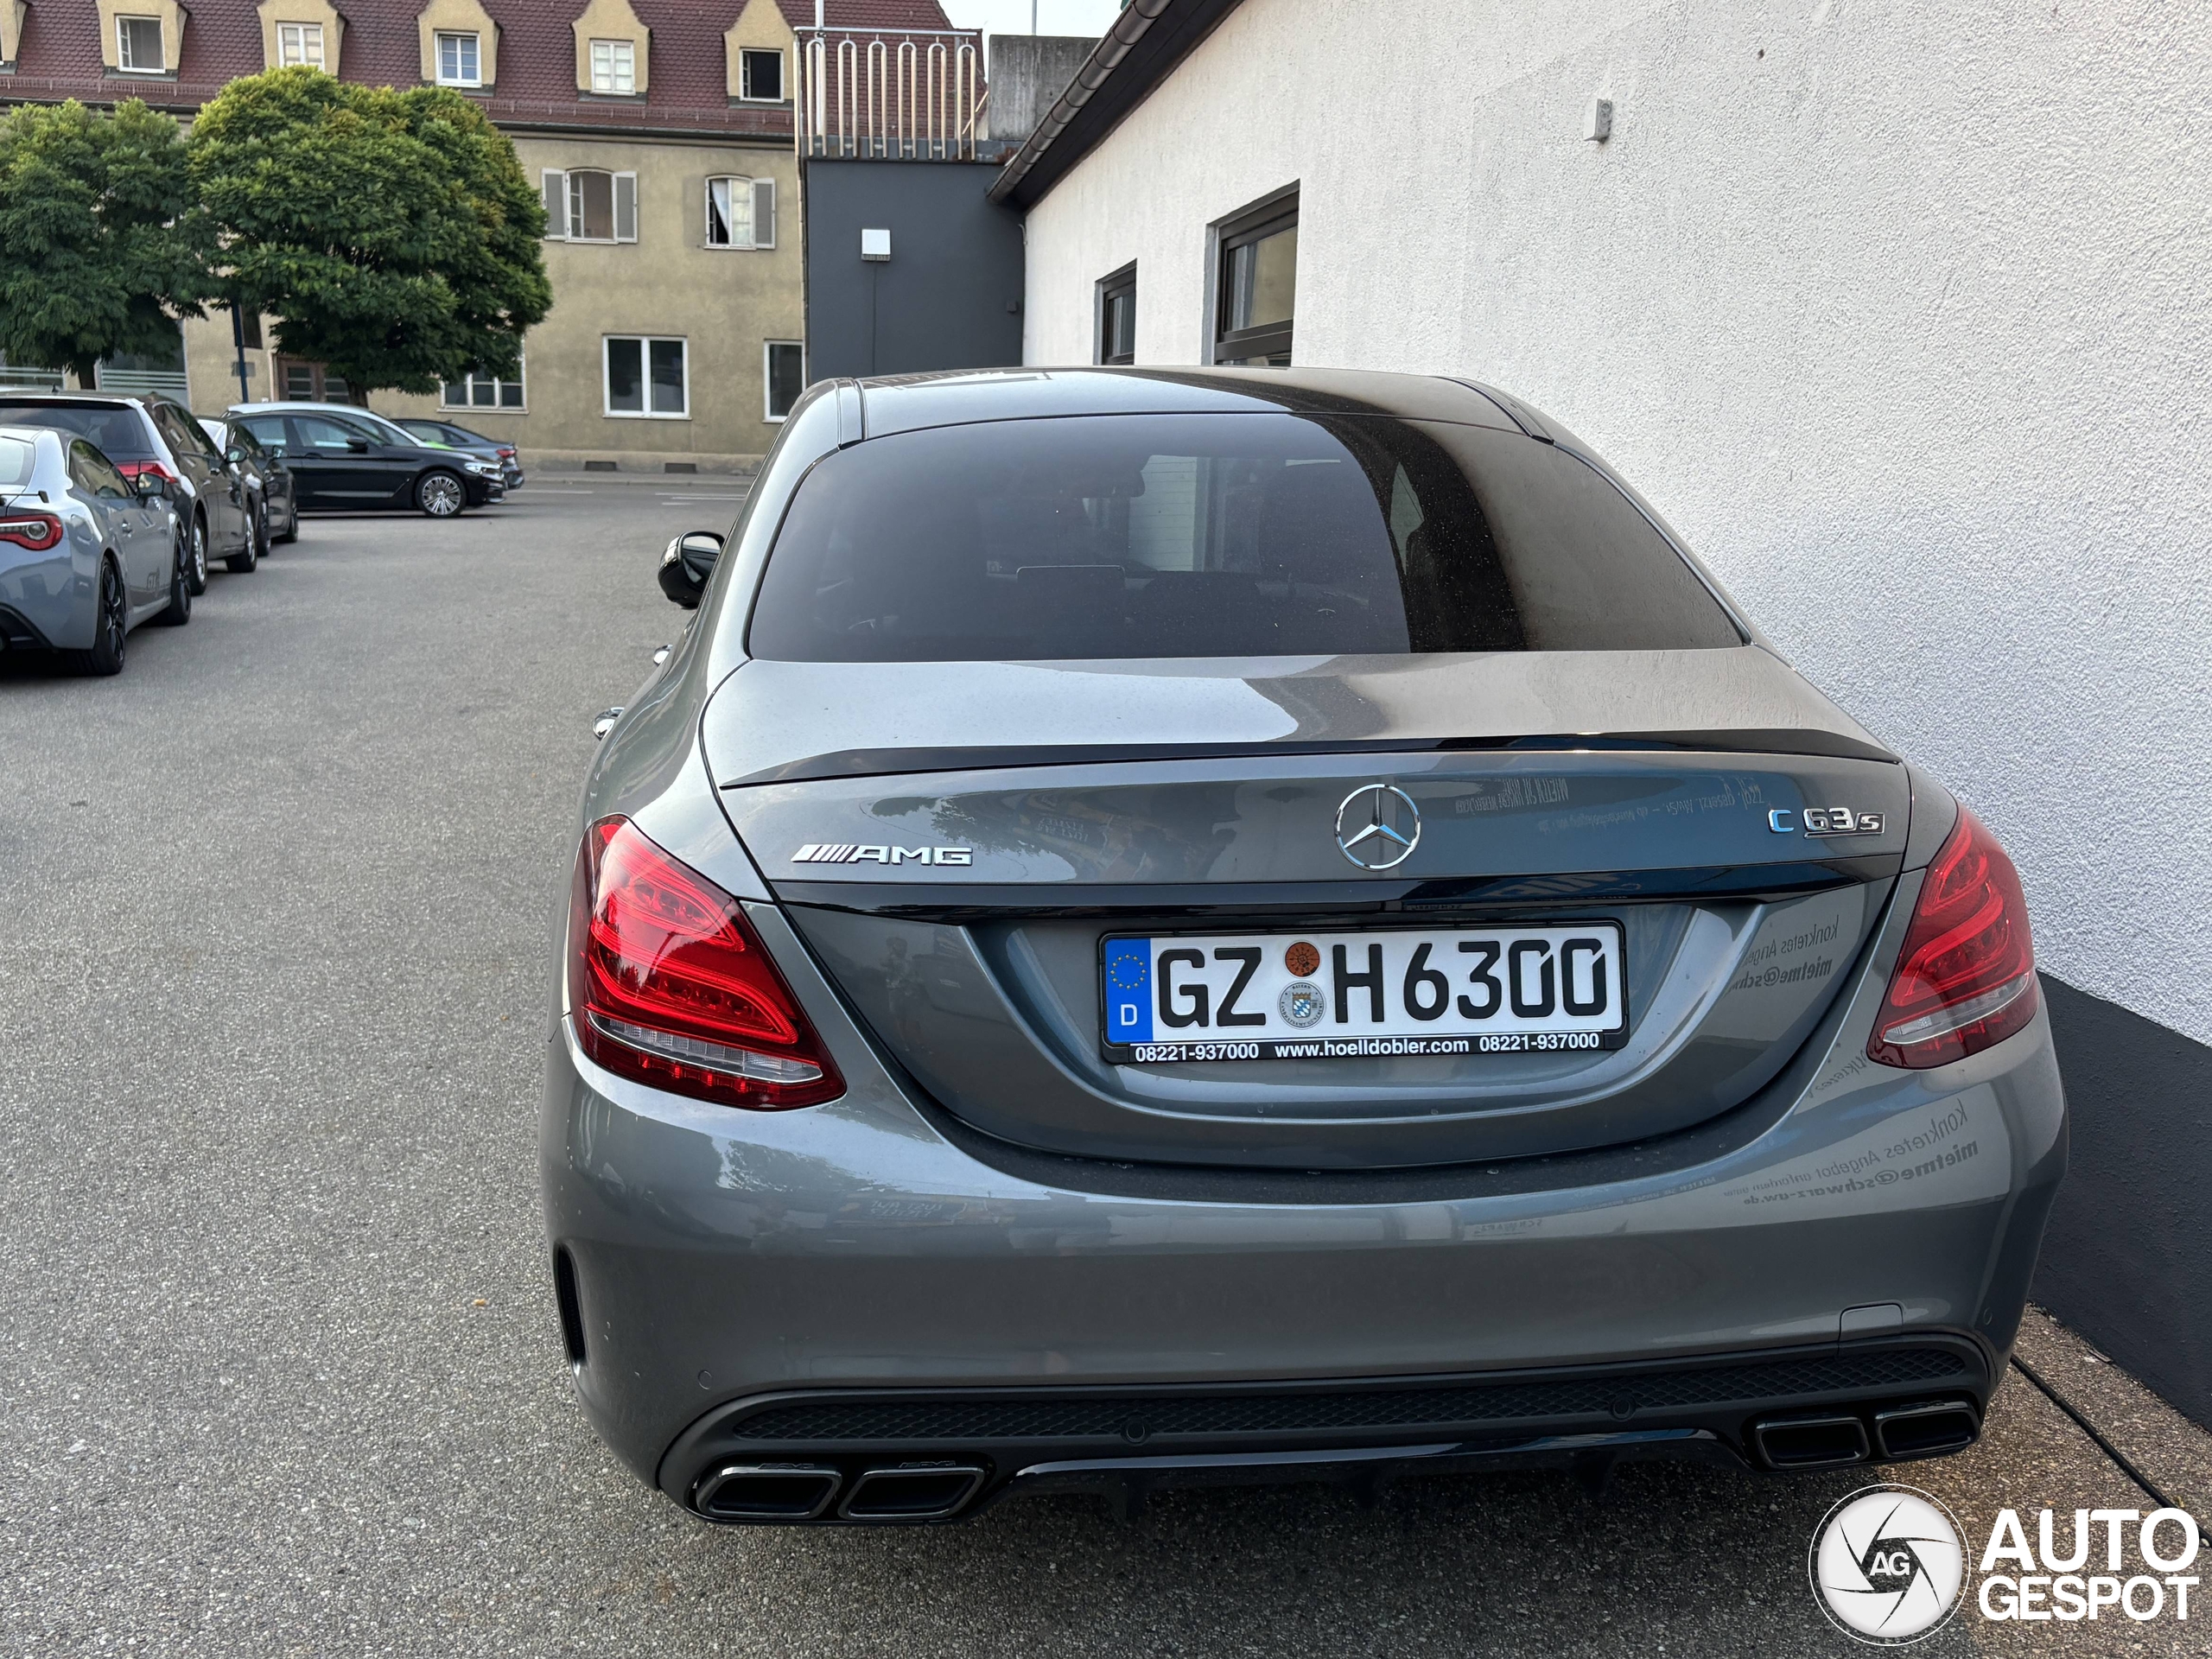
x: 1219, y: 925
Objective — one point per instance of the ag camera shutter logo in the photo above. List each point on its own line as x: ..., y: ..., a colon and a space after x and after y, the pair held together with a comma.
x: 1887, y: 1565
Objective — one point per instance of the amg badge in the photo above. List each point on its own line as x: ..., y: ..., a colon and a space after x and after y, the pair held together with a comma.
x: 847, y: 853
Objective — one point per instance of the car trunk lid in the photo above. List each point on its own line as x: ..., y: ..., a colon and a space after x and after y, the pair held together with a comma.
x: 955, y: 841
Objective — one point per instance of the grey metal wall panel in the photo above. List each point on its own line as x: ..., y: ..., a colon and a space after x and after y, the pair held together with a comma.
x: 950, y: 295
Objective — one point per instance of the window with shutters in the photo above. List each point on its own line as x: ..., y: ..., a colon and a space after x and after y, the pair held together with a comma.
x: 460, y: 60
x: 590, y: 205
x: 647, y: 379
x: 138, y: 46
x: 299, y: 43
x: 741, y: 212
x: 615, y: 67
x: 761, y: 75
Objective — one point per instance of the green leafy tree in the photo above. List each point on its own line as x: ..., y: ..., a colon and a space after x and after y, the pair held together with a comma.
x: 101, y: 247
x: 392, y: 233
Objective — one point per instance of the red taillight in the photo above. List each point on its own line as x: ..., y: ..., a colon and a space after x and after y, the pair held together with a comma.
x: 133, y: 469
x: 1967, y: 975
x: 36, y: 530
x: 669, y: 984
x: 506, y: 452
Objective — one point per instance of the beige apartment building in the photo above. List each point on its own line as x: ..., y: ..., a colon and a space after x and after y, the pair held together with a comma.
x: 661, y: 132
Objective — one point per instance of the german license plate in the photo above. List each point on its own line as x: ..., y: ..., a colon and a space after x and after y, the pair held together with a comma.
x: 1326, y: 995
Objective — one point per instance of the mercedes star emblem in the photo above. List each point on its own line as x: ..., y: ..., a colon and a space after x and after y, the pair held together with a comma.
x: 1378, y: 827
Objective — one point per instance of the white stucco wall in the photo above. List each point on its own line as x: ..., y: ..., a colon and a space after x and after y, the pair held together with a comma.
x: 1906, y: 324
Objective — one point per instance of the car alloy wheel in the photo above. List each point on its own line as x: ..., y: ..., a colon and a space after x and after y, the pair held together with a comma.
x: 440, y: 495
x: 257, y: 543
x: 195, y: 573
x: 180, y: 607
x: 109, y: 626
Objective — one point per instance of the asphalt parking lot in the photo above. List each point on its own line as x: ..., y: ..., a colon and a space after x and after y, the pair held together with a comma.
x: 278, y: 1366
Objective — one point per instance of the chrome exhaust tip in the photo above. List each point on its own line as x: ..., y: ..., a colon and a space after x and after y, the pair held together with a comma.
x: 765, y: 1491
x: 911, y: 1491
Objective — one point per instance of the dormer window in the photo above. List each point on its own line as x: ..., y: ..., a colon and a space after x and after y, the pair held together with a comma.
x: 299, y: 44
x: 760, y: 76
x: 138, y: 46
x: 615, y: 67
x: 460, y: 62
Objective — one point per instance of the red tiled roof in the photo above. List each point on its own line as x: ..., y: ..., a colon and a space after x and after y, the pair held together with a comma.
x: 686, y: 87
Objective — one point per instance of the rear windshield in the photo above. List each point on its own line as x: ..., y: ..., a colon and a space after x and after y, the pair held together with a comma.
x: 118, y: 433
x: 1231, y: 534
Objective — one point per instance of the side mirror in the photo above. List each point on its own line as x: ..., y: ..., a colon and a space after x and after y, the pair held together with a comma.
x: 234, y: 456
x: 685, y: 565
x: 357, y: 446
x: 151, y: 486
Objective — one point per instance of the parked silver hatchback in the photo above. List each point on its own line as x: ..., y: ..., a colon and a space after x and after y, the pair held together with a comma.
x: 86, y: 554
x: 1181, y: 926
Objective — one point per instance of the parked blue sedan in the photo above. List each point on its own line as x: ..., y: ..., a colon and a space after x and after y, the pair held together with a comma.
x: 85, y: 557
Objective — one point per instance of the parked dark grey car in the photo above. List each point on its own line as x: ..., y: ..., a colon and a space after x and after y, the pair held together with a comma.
x: 1246, y: 924
x: 347, y: 460
x: 154, y: 434
x: 267, y: 477
x: 85, y: 555
x: 447, y: 434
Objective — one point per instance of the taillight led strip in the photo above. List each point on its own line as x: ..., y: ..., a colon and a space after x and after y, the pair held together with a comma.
x: 36, y: 530
x: 1966, y: 976
x: 670, y: 985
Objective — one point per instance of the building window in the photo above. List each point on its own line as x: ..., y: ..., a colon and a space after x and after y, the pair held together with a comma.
x: 308, y: 383
x: 459, y: 63
x: 615, y: 67
x: 1117, y: 316
x: 588, y: 205
x: 299, y: 43
x: 760, y: 76
x: 139, y: 45
x: 786, y: 368
x: 741, y: 212
x: 1256, y: 284
x: 647, y: 379
x: 474, y: 390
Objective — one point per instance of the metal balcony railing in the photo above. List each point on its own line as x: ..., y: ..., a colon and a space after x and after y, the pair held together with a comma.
x: 914, y: 95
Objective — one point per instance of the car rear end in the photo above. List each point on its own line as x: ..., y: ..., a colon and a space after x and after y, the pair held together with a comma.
x: 1245, y: 926
x: 49, y: 546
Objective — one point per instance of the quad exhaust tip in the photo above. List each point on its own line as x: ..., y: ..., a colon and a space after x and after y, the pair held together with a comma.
x: 1926, y: 1431
x: 918, y: 1491
x: 1835, y: 1439
x: 765, y: 1491
x: 798, y: 1492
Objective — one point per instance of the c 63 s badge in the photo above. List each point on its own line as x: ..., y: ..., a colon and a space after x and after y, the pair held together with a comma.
x: 850, y: 853
x: 1825, y: 821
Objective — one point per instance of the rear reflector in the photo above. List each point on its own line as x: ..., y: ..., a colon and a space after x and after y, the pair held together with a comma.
x: 669, y: 985
x: 1965, y: 977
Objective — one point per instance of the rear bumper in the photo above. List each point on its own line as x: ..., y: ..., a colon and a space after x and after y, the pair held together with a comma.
x: 715, y: 1262
x: 933, y: 1455
x: 19, y: 633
